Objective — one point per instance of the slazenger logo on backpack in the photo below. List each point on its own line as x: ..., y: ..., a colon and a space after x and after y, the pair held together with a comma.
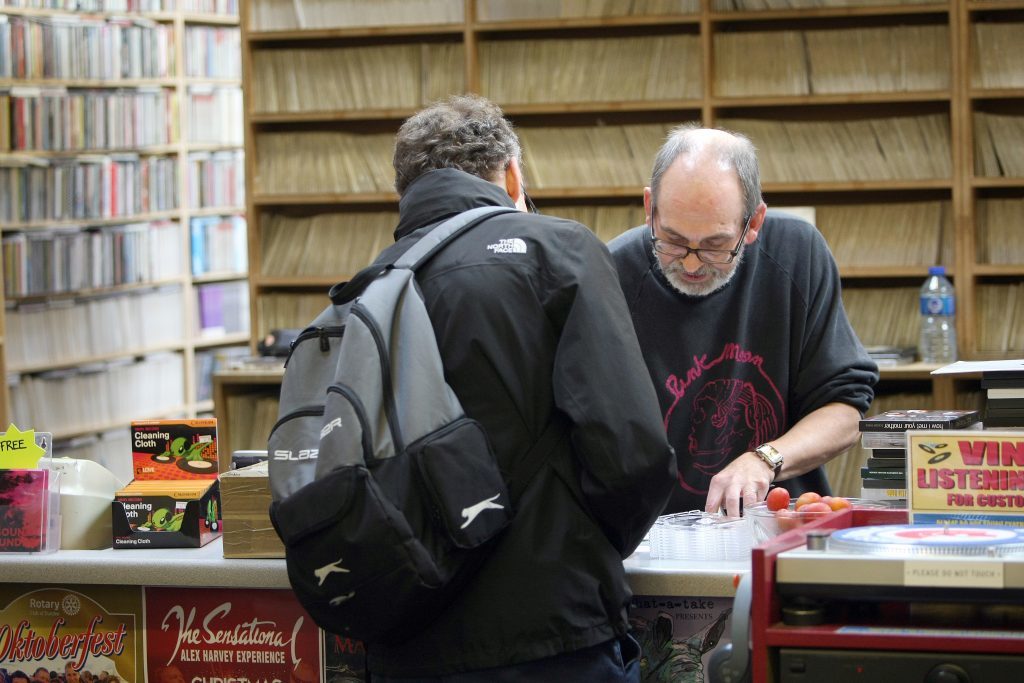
x: 323, y: 572
x: 471, y: 513
x: 512, y: 245
x: 329, y: 427
x: 304, y: 454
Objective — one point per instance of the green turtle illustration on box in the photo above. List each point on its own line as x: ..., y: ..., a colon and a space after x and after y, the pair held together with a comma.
x: 174, y: 449
x: 162, y: 520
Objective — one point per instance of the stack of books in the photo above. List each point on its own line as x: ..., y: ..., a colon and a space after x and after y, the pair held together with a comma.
x: 1004, y: 398
x: 884, y: 474
x: 883, y: 436
x: 889, y: 356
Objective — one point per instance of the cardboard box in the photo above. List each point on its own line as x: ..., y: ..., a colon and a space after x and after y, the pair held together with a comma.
x: 174, y: 449
x: 247, y: 528
x: 166, y: 514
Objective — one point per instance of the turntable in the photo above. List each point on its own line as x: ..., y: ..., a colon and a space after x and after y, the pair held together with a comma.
x: 907, y: 562
x: 863, y: 595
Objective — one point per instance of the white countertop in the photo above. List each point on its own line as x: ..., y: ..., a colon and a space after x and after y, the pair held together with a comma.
x: 207, y: 567
x: 204, y: 566
x: 704, y: 578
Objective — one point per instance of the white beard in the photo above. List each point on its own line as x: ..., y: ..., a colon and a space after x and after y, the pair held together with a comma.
x: 718, y: 278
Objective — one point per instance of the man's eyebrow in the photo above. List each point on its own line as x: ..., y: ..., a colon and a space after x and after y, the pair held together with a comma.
x: 668, y: 230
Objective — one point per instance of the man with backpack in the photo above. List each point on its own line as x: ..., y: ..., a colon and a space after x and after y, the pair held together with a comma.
x: 532, y: 328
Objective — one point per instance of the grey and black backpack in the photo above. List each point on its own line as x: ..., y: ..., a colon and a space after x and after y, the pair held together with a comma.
x: 385, y: 494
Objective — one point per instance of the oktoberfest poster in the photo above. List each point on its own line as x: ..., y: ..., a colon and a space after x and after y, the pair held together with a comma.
x: 72, y: 630
x: 229, y: 636
x: 966, y: 477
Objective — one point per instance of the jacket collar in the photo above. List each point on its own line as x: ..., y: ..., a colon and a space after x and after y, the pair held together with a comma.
x: 442, y: 193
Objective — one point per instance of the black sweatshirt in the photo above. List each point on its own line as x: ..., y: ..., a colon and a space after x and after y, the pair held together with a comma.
x: 741, y: 366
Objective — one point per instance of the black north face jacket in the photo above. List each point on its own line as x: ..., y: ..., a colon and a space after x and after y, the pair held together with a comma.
x: 530, y: 319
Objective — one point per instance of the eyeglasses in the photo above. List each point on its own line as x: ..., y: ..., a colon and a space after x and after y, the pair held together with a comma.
x: 711, y: 256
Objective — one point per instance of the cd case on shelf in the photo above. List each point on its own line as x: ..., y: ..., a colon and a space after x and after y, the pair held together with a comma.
x: 29, y: 511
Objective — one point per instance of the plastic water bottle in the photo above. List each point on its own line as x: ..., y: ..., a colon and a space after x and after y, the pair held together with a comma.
x: 938, y: 322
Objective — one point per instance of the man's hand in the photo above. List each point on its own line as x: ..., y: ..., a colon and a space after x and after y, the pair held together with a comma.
x: 746, y: 478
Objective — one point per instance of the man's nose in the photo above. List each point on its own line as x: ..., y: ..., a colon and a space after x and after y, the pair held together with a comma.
x: 690, y: 262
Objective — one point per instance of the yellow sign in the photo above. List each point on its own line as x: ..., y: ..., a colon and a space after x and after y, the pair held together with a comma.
x: 966, y: 477
x: 18, y: 449
x: 72, y: 629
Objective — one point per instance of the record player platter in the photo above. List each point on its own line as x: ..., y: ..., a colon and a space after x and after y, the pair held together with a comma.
x: 929, y: 539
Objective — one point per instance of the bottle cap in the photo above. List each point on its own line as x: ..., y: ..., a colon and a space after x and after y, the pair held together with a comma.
x: 937, y: 270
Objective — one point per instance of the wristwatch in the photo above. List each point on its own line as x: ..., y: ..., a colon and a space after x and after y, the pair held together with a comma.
x: 771, y: 457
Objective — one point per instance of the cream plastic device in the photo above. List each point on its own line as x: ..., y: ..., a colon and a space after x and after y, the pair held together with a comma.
x: 86, y: 492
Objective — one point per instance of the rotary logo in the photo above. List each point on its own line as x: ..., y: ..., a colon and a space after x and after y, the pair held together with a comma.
x: 71, y: 605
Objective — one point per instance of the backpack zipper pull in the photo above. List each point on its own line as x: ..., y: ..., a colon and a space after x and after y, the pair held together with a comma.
x: 325, y: 344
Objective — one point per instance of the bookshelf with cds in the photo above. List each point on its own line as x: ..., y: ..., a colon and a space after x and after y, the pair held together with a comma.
x: 873, y: 112
x: 854, y: 109
x: 994, y: 116
x: 122, y: 212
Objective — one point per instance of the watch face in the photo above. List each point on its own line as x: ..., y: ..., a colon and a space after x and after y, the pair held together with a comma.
x: 770, y: 456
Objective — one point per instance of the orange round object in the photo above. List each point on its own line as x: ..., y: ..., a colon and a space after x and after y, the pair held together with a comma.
x: 839, y: 503
x: 806, y: 498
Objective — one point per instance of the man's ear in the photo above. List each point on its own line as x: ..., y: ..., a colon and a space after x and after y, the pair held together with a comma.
x: 648, y: 205
x: 756, y: 221
x: 514, y: 183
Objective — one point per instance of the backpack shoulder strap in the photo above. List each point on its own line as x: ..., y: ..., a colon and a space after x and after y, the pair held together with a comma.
x: 529, y: 465
x: 414, y: 250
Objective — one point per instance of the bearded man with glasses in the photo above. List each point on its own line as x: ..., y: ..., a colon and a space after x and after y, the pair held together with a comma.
x: 739, y: 314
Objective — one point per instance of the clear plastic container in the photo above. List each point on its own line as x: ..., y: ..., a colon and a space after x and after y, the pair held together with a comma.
x: 86, y: 492
x: 699, y: 535
x: 937, y: 343
x: 766, y: 524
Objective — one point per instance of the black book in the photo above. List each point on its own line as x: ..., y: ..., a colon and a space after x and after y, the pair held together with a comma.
x: 905, y: 420
x: 1002, y: 383
x: 874, y: 483
x: 888, y: 453
x: 1004, y: 403
x: 1003, y: 374
x: 1004, y: 422
x: 1003, y: 412
x: 888, y: 475
x: 886, y: 463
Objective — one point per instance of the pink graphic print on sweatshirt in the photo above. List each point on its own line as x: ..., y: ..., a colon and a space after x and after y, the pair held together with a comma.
x: 721, y: 408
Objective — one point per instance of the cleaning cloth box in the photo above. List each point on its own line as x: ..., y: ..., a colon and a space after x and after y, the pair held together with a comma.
x: 166, y: 514
x: 174, y: 500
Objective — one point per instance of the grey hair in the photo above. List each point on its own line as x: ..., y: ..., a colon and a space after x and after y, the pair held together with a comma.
x: 466, y: 132
x: 741, y: 155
